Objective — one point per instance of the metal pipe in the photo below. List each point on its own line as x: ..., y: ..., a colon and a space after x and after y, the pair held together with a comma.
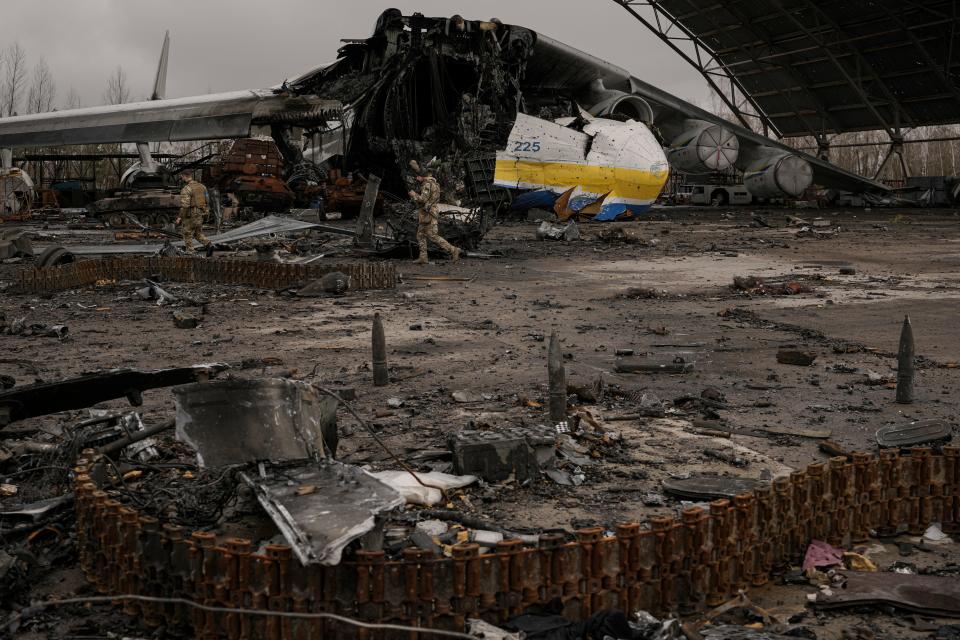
x: 117, y: 445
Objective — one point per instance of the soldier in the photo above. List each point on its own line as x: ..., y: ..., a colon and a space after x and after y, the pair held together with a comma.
x: 429, y: 216
x: 193, y: 208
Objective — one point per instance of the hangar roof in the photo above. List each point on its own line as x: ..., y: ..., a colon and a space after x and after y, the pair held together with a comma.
x: 829, y: 66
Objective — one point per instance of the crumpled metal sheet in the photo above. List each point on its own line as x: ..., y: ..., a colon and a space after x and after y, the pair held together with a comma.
x: 928, y: 595
x: 321, y: 508
x: 262, y: 227
x: 236, y: 421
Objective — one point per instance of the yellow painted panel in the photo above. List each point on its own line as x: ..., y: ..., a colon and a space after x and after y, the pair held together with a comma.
x: 622, y: 182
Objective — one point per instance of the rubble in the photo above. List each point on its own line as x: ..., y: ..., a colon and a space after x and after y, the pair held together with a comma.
x: 363, y: 276
x: 331, y: 284
x: 797, y: 357
x: 569, y: 232
x: 184, y: 320
x: 15, y: 243
x: 719, y: 520
x: 754, y: 285
x: 679, y: 365
x: 441, y: 482
x: 518, y: 453
x: 465, y: 482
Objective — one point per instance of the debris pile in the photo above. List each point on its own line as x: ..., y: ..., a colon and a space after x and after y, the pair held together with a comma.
x: 806, y: 500
x: 757, y: 286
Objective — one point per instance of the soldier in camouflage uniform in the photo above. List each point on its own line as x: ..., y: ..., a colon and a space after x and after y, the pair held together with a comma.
x: 193, y: 208
x: 429, y: 217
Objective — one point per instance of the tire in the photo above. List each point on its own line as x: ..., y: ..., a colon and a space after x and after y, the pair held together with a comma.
x: 721, y: 197
x: 55, y: 255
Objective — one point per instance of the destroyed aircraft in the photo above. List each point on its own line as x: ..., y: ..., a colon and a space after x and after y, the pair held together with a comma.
x: 447, y: 88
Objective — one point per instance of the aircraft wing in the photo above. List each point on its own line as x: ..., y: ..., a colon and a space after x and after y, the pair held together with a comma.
x: 555, y: 67
x: 215, y: 116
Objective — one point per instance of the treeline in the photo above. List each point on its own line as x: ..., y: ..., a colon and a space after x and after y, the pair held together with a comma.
x: 863, y: 152
x: 29, y: 86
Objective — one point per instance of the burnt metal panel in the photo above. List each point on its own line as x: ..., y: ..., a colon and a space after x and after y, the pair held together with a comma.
x: 321, y: 508
x: 236, y: 421
x: 926, y: 595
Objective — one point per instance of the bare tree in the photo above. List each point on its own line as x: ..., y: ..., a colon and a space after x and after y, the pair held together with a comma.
x: 117, y: 91
x: 72, y: 101
x: 14, y: 77
x: 43, y: 90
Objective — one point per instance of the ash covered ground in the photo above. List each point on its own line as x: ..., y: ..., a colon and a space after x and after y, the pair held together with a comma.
x: 663, y: 289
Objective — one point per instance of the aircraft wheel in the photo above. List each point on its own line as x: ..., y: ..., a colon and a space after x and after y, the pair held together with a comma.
x: 720, y: 197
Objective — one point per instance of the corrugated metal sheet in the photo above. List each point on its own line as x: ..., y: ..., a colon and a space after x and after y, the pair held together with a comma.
x: 836, y: 65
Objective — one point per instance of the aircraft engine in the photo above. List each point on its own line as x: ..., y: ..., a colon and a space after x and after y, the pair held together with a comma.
x: 776, y: 176
x: 703, y: 148
x: 611, y: 102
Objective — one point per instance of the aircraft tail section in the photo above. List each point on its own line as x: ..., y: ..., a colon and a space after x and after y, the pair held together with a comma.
x: 160, y: 80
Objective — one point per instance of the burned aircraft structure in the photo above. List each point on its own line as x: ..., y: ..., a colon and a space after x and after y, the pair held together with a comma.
x: 447, y: 91
x: 423, y: 88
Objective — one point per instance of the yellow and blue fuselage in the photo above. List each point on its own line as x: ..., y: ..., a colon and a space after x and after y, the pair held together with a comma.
x: 620, y: 166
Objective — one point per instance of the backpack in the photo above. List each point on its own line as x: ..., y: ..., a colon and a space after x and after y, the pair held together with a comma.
x: 200, y: 198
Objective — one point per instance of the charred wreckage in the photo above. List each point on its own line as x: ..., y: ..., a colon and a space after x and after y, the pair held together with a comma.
x: 247, y: 525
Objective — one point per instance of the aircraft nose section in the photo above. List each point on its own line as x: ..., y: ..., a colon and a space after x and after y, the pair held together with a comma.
x: 640, y: 171
x: 641, y: 168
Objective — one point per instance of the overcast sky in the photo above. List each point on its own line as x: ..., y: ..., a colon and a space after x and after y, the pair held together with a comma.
x: 222, y: 45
